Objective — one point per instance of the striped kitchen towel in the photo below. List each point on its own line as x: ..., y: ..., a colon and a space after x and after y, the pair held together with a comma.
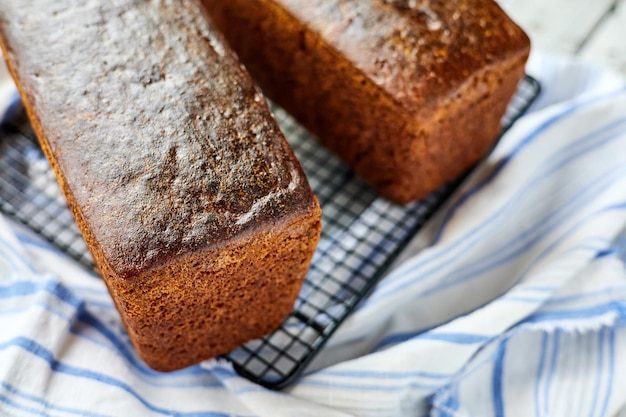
x: 511, y: 302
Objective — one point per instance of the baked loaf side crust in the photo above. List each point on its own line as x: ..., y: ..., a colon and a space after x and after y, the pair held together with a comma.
x: 195, y: 208
x: 409, y: 94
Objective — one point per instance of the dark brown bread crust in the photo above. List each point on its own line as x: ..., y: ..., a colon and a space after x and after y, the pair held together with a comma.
x: 198, y: 214
x: 409, y: 93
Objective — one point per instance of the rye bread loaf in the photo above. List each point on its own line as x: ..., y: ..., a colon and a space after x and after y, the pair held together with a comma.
x: 197, y: 212
x: 409, y: 93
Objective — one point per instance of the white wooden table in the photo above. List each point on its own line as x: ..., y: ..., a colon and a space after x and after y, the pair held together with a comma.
x: 593, y: 29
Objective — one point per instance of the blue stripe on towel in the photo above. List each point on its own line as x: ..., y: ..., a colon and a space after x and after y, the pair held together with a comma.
x: 33, y: 398
x: 539, y: 402
x: 41, y: 352
x: 498, y: 378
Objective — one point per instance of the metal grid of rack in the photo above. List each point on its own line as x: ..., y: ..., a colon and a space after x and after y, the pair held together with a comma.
x: 362, y: 234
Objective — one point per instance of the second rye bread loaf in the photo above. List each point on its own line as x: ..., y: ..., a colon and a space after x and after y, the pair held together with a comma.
x: 409, y: 93
x: 198, y: 215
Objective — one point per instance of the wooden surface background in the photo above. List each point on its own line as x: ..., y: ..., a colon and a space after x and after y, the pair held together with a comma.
x: 593, y: 29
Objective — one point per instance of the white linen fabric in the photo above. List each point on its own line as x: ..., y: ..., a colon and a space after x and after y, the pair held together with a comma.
x: 511, y: 302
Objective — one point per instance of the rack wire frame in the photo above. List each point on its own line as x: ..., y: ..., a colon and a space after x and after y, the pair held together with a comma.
x: 362, y: 234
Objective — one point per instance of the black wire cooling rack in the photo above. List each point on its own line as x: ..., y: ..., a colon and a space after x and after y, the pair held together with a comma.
x: 362, y: 234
